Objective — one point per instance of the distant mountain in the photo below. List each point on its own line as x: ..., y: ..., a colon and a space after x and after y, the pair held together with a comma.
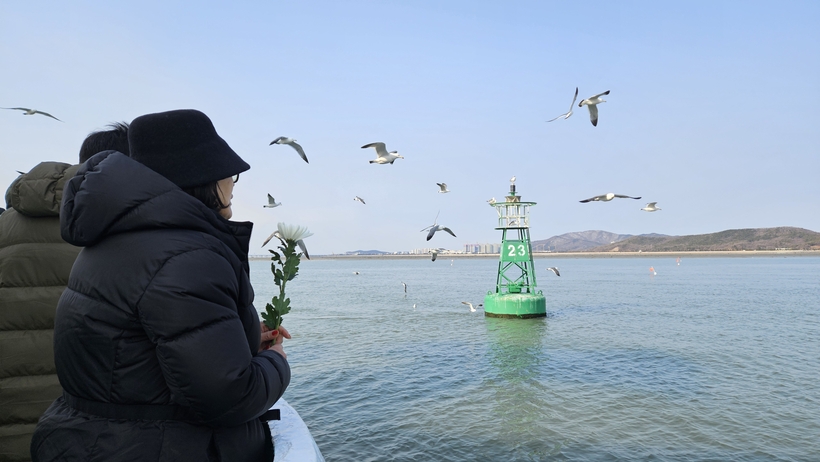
x: 733, y: 239
x: 580, y: 241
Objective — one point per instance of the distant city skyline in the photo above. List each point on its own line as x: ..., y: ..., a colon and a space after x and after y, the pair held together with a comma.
x: 588, y: 239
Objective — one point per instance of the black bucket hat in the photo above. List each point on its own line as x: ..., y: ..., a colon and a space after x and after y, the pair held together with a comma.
x: 184, y: 147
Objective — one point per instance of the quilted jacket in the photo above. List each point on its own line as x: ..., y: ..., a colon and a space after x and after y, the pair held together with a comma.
x: 34, y: 267
x: 157, y: 316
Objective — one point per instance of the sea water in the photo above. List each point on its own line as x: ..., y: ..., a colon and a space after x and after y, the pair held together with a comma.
x: 709, y: 359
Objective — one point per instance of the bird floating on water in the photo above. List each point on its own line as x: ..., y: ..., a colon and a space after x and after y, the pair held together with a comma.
x: 27, y: 111
x: 608, y: 197
x: 436, y: 228
x: 356, y: 273
x: 554, y: 269
x: 384, y: 156
x: 472, y: 308
x: 292, y: 143
x: 357, y: 198
x: 272, y: 202
x: 568, y: 114
x: 650, y: 207
x: 592, y: 104
x: 443, y: 187
x: 405, y: 287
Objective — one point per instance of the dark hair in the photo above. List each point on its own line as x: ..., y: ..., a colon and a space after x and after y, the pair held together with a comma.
x: 208, y: 194
x: 114, y: 139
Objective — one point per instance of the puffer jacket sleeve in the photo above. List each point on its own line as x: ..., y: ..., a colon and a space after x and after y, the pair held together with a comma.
x: 189, y: 311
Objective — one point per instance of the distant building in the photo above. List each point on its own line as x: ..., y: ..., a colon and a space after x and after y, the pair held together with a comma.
x: 482, y: 248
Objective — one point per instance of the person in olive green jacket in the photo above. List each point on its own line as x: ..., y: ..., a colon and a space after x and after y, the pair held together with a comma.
x: 34, y: 266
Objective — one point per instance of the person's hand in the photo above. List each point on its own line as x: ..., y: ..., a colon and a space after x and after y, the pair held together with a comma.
x: 267, y: 336
x: 272, y: 339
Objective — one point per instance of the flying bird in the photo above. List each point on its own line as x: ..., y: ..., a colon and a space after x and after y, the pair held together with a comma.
x: 566, y: 115
x: 443, y: 187
x: 434, y: 252
x: 554, y: 269
x: 608, y: 197
x: 300, y: 243
x: 434, y: 223
x: 271, y: 203
x: 650, y: 207
x: 384, y: 156
x: 472, y: 308
x: 27, y: 111
x: 357, y: 198
x: 439, y: 228
x: 292, y: 143
x: 592, y: 104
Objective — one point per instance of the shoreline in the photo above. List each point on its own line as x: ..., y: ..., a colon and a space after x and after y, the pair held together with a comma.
x: 691, y: 254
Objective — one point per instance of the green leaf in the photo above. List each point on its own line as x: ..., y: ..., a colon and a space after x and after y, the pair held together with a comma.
x: 284, y: 267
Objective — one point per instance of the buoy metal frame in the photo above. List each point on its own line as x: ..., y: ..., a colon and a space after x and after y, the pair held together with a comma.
x: 516, y: 294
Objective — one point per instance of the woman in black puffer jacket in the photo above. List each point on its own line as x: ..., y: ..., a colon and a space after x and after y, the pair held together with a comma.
x: 157, y: 344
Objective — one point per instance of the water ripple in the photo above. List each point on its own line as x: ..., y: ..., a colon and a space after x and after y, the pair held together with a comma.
x: 712, y: 360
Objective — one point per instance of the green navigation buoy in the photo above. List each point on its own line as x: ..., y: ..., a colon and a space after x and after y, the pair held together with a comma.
x: 515, y: 293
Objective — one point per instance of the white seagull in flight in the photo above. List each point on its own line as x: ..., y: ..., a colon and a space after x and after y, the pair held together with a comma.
x: 357, y: 198
x: 27, y: 111
x: 650, y: 207
x: 434, y: 252
x: 292, y: 143
x: 272, y: 202
x: 443, y: 187
x: 566, y: 115
x: 608, y: 197
x: 384, y: 156
x: 472, y: 308
x: 592, y: 104
x: 431, y: 226
x: 554, y: 269
x: 435, y: 228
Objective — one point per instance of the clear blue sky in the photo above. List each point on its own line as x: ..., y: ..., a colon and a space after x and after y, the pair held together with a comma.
x: 712, y: 111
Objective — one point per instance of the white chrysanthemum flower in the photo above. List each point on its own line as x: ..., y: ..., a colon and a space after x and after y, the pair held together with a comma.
x: 292, y: 232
